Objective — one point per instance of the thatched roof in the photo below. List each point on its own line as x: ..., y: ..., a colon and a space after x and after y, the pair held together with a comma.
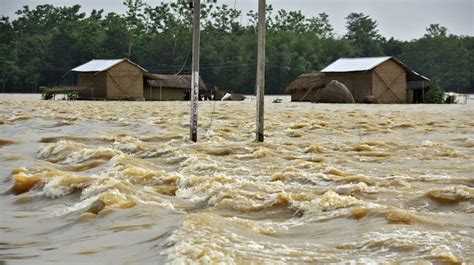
x: 172, y: 81
x: 307, y: 81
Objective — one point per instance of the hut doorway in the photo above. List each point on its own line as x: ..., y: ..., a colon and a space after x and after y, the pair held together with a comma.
x: 418, y: 96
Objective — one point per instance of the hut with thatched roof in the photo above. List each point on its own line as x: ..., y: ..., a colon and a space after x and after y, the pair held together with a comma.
x: 118, y: 79
x: 305, y: 87
x: 169, y: 87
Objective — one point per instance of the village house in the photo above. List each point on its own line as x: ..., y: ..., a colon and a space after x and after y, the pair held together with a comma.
x: 121, y: 79
x: 379, y: 79
x: 118, y: 79
x: 169, y: 87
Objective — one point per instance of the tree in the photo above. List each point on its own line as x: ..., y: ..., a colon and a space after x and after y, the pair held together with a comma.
x: 435, y: 30
x: 115, y: 44
x: 392, y: 47
x: 363, y: 34
x: 135, y: 25
x: 442, y: 58
x: 223, y: 20
x: 468, y: 43
x: 89, y: 36
x: 435, y: 95
x: 8, y: 52
x: 320, y: 26
x: 293, y: 21
x: 41, y: 44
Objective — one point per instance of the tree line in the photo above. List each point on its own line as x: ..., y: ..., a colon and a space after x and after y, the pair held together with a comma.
x: 41, y: 45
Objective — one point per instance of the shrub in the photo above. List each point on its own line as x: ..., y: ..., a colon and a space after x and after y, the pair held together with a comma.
x: 47, y: 93
x: 435, y: 95
x: 71, y: 95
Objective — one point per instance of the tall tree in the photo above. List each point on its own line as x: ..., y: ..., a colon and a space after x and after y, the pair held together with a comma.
x: 115, y: 44
x: 134, y: 19
x: 436, y: 30
x: 293, y: 21
x: 320, y: 26
x: 363, y: 34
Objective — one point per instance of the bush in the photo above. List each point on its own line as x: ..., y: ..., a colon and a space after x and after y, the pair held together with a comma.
x: 435, y: 95
x: 47, y: 93
x: 71, y: 95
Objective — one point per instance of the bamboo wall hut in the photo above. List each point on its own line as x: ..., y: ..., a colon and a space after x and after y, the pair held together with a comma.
x: 118, y: 79
x: 384, y: 78
x: 169, y: 87
x: 305, y: 87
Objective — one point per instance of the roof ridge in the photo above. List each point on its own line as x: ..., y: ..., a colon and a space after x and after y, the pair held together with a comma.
x: 372, y: 57
x: 100, y: 65
x: 355, y: 64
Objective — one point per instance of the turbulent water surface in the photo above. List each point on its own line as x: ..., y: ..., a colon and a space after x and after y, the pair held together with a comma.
x: 120, y: 183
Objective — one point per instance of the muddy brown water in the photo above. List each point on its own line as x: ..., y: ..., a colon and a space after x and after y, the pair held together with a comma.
x: 120, y: 183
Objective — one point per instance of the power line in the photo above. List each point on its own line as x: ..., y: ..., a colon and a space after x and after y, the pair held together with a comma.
x: 184, y: 64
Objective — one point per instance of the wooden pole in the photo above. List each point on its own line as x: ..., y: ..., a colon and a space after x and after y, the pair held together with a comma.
x: 195, y: 70
x: 261, y: 71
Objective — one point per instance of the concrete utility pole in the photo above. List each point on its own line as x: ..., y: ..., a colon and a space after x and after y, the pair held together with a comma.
x: 195, y: 69
x: 261, y: 71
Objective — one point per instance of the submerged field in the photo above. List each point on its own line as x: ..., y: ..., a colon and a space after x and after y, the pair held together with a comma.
x: 119, y: 182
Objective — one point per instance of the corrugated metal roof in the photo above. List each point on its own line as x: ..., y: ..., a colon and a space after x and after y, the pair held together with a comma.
x: 102, y: 65
x: 97, y: 65
x: 355, y: 64
x: 344, y: 65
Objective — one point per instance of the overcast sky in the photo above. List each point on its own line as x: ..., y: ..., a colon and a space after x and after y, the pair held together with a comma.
x: 402, y: 19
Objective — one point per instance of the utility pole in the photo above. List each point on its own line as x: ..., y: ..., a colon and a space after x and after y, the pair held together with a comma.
x: 261, y: 71
x: 195, y: 69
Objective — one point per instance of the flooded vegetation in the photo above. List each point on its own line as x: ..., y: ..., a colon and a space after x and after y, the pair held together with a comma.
x: 119, y: 182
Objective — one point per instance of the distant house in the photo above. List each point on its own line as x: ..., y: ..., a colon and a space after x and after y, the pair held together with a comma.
x: 169, y: 87
x: 118, y: 79
x: 384, y: 79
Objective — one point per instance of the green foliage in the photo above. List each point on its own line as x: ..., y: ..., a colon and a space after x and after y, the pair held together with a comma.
x: 436, y: 30
x: 435, y: 95
x: 392, y: 47
x: 42, y: 44
x: 445, y: 59
x: 363, y: 34
x: 8, y: 52
x: 71, y: 95
x: 47, y: 93
x: 320, y: 26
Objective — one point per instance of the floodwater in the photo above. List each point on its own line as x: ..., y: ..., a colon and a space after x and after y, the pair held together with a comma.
x: 120, y: 183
